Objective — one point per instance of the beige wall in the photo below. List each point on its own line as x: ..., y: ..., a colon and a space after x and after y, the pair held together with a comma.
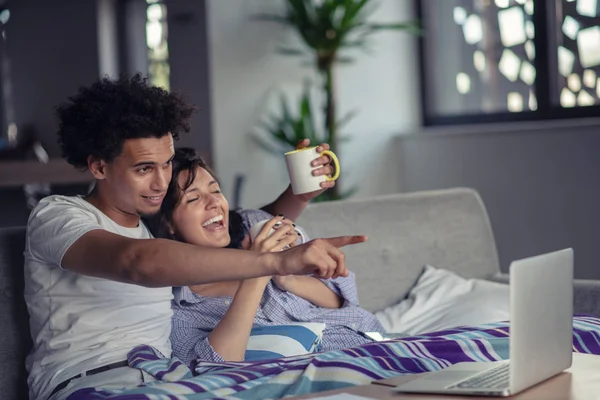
x: 246, y: 75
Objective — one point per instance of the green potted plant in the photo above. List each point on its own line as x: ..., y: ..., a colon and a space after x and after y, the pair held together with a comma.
x: 329, y: 30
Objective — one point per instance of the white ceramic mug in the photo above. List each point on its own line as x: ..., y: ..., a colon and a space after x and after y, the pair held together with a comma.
x: 300, y: 170
x: 256, y: 228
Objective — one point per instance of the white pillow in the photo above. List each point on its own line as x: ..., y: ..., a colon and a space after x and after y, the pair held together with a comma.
x: 441, y: 299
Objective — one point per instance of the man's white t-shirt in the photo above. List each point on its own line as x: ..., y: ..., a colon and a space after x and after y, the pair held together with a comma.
x: 80, y: 322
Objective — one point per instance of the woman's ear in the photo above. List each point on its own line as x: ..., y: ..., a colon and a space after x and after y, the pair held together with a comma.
x: 170, y: 229
x: 166, y: 227
x: 247, y: 242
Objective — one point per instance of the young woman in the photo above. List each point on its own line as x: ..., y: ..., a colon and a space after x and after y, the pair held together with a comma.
x: 213, y: 321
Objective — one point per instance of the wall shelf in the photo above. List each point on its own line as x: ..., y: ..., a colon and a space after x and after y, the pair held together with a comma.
x: 56, y: 171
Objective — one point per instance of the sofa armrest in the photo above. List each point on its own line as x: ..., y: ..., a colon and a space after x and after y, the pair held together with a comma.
x: 586, y: 293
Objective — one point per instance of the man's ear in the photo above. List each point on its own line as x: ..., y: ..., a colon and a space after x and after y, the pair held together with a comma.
x: 97, y: 167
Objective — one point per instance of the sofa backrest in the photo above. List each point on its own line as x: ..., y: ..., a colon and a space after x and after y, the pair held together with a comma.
x: 15, y: 339
x: 447, y: 229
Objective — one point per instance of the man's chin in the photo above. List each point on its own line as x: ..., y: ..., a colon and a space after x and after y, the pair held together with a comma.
x: 148, y: 213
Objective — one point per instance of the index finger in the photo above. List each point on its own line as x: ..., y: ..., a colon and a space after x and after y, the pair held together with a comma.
x: 302, y: 144
x: 322, y: 147
x: 341, y: 241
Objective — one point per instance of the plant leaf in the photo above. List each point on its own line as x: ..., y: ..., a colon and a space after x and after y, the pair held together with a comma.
x: 272, y: 18
x: 343, y: 138
x: 349, y: 192
x: 412, y: 27
x: 344, y: 60
x: 346, y: 118
x: 265, y: 144
x: 290, y: 52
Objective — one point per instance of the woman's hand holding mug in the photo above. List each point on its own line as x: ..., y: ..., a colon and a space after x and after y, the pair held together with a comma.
x: 275, y: 234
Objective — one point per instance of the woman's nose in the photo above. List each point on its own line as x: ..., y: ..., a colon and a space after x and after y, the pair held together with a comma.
x: 213, y: 201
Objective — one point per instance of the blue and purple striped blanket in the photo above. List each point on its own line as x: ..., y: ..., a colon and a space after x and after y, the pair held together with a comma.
x: 324, y: 371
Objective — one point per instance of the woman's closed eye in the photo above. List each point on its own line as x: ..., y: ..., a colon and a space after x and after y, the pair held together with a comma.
x: 192, y: 200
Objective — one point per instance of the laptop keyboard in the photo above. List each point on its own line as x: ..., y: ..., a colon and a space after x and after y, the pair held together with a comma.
x: 495, y: 378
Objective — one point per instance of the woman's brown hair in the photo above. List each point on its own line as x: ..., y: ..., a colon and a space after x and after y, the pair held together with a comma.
x: 186, y: 159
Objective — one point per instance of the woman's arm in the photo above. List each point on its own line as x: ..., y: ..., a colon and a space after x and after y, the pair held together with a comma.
x: 343, y: 288
x: 310, y: 289
x: 287, y: 204
x: 229, y: 339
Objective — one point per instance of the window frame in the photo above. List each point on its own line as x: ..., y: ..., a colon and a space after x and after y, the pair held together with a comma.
x: 544, y: 85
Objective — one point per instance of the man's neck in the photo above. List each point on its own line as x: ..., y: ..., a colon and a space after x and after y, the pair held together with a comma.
x: 98, y: 200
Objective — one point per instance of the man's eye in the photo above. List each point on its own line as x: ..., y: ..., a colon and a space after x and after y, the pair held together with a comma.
x: 217, y: 191
x: 145, y: 169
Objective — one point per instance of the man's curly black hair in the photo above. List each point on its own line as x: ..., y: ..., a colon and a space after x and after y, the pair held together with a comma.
x: 98, y: 119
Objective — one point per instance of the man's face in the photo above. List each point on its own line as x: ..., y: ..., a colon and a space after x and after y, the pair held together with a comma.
x: 139, y: 177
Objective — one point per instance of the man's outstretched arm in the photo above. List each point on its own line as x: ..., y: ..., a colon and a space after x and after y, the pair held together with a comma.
x: 162, y: 262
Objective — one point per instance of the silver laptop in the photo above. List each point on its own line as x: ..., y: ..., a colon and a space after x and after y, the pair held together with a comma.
x: 541, y: 334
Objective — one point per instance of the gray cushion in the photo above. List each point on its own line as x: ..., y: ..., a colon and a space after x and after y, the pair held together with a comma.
x: 15, y: 340
x: 446, y: 228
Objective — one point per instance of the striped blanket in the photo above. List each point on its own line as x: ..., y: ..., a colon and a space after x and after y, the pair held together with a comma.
x: 324, y: 371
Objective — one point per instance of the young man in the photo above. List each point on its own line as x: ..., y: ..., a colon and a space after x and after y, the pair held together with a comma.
x: 96, y: 282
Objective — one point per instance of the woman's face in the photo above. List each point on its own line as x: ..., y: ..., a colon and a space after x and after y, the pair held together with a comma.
x: 202, y: 216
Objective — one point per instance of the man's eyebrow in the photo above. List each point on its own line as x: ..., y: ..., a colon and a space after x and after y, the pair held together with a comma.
x: 151, y: 163
x: 145, y: 163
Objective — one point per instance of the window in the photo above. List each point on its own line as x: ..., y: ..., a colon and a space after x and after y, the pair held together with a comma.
x: 8, y: 129
x: 578, y: 54
x: 156, y: 40
x: 498, y: 60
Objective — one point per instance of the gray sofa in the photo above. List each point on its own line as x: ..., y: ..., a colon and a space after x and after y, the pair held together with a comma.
x: 448, y: 228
